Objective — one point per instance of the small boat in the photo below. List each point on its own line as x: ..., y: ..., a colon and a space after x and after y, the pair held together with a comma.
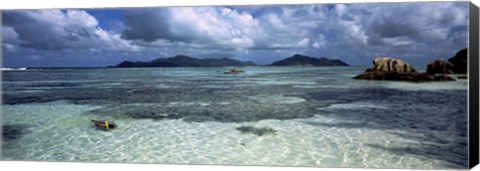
x: 104, y: 125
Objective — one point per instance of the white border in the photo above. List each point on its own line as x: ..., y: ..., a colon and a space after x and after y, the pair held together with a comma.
x: 63, y: 166
x: 48, y: 4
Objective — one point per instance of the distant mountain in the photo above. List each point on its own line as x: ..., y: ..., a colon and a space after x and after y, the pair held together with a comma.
x: 301, y: 60
x: 185, y: 61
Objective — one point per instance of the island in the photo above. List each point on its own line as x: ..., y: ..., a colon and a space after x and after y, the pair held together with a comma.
x: 302, y: 60
x: 185, y: 61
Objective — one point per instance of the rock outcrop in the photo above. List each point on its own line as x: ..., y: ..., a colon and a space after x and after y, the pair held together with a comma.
x: 392, y: 65
x: 257, y: 131
x: 386, y: 68
x: 459, y: 62
x: 104, y: 125
x: 440, y: 67
x: 396, y: 76
x: 234, y: 71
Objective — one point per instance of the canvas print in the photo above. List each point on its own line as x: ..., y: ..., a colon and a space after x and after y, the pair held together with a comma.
x: 361, y: 85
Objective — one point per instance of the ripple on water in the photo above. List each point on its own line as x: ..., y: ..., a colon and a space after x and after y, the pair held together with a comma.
x: 199, y: 126
x: 277, y: 99
x: 65, y: 135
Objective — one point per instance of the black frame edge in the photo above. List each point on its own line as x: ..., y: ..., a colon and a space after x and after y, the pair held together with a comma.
x: 473, y: 76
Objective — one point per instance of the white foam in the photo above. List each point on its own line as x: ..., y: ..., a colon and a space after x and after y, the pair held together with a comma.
x: 171, y: 104
x: 322, y: 86
x: 358, y: 105
x: 444, y: 85
x: 284, y: 82
x: 277, y: 99
x: 224, y: 103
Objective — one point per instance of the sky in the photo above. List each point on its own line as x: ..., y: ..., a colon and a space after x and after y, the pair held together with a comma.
x: 416, y: 32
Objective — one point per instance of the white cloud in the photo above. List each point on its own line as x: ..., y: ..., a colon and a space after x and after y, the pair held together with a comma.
x: 397, y: 41
x: 354, y: 33
x: 243, y: 42
x: 304, y: 42
x: 226, y: 11
x: 217, y: 26
x: 200, y: 25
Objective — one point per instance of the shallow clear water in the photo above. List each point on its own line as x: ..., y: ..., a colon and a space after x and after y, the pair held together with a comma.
x: 320, y: 117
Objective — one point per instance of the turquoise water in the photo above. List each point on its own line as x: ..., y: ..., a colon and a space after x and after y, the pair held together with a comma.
x: 321, y: 118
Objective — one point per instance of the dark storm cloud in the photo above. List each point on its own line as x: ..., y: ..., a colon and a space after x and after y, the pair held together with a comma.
x: 151, y: 25
x: 415, y: 22
x: 416, y: 32
x: 9, y: 35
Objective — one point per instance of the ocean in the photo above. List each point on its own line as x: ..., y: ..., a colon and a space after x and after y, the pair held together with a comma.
x: 268, y: 116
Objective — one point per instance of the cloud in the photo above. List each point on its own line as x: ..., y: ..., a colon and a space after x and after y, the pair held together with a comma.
x: 9, y: 35
x: 398, y: 24
x: 304, y: 42
x: 8, y: 47
x: 59, y: 29
x: 415, y: 31
x: 219, y: 26
x: 355, y: 33
x: 9, y: 38
x: 363, y: 29
x: 196, y: 25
